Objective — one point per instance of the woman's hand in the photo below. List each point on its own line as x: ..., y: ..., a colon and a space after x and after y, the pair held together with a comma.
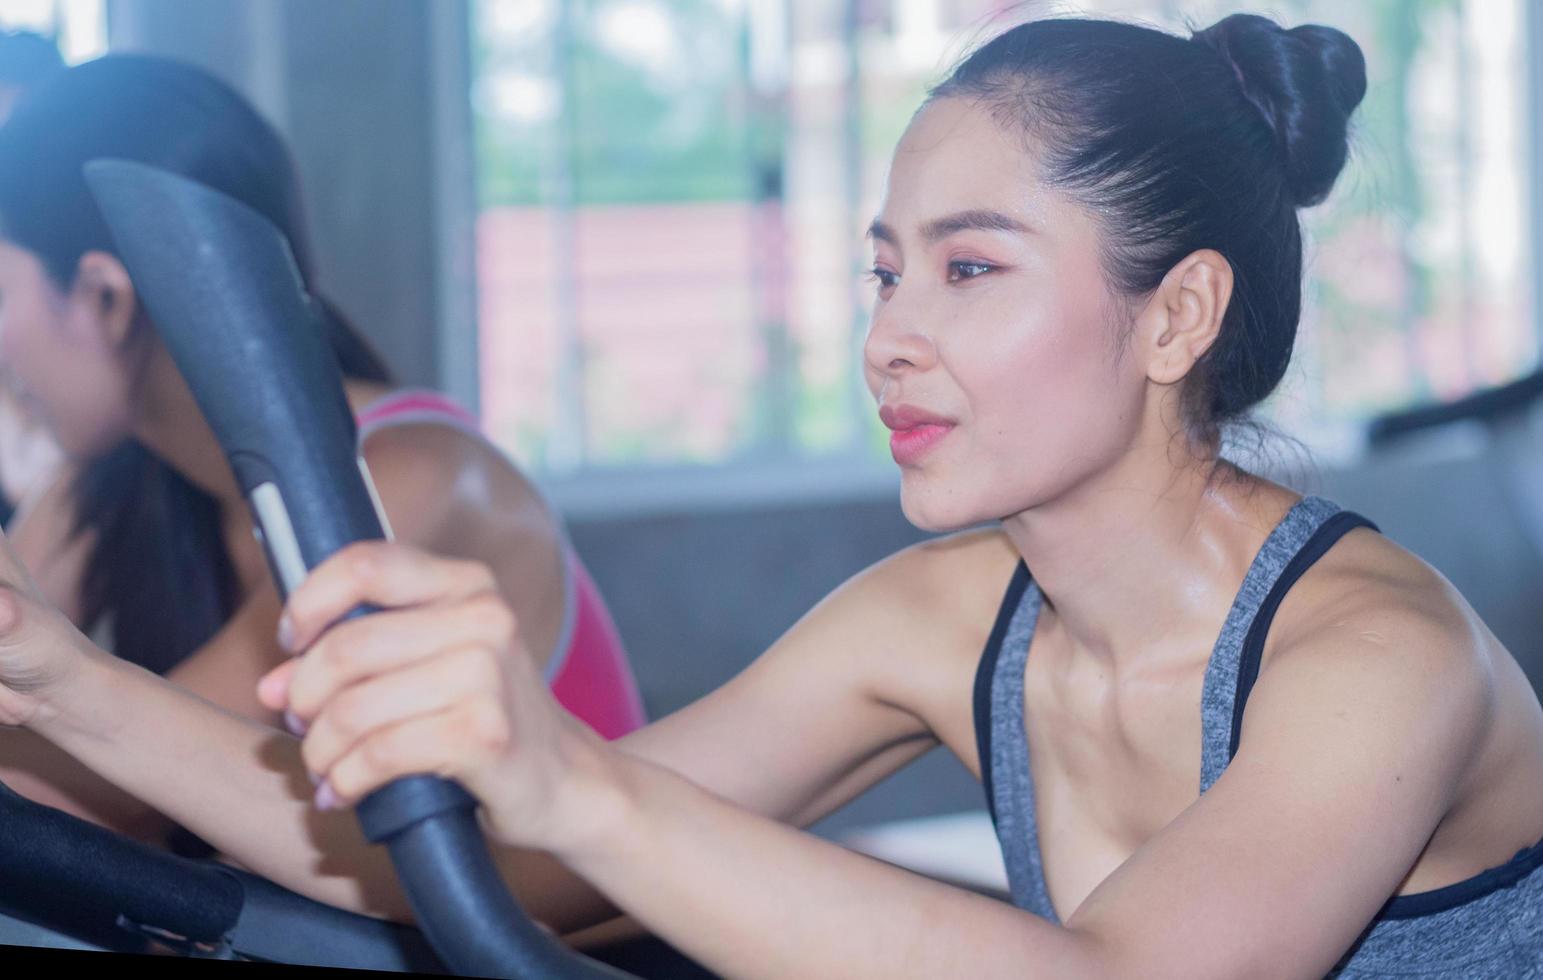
x: 435, y: 683
x: 39, y: 647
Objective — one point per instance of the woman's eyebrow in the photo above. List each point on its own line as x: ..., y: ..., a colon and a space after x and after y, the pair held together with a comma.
x: 880, y: 232
x: 940, y: 228
x: 976, y: 220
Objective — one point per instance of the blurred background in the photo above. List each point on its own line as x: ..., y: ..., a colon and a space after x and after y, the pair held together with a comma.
x: 629, y: 232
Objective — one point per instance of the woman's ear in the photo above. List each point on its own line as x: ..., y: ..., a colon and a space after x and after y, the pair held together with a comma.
x: 103, y: 301
x: 1184, y: 315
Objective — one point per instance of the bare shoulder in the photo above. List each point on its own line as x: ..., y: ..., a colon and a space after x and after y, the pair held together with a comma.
x: 1372, y: 618
x: 430, y: 475
x: 945, y: 578
x: 1370, y: 589
x: 456, y: 494
x: 408, y: 453
x: 933, y: 602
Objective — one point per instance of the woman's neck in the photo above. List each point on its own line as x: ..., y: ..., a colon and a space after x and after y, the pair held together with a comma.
x: 1148, y: 557
x: 170, y: 424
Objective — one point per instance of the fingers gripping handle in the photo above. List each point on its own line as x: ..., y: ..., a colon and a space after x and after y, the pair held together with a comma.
x: 427, y: 823
x: 391, y: 809
x: 395, y: 808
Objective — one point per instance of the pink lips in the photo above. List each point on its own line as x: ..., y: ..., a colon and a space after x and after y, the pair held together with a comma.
x: 915, y: 432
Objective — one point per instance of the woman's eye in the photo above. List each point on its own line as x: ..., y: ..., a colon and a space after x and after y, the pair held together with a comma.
x: 885, y: 278
x: 967, y: 270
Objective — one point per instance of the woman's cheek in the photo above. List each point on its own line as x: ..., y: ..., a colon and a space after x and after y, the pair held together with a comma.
x: 81, y: 399
x: 19, y: 358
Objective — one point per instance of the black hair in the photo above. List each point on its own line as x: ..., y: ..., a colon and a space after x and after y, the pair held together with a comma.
x: 1180, y: 144
x: 158, y: 566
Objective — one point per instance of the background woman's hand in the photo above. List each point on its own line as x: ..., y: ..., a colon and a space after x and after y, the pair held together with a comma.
x: 437, y: 682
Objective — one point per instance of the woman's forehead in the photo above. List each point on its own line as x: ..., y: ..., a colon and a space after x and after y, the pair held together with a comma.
x: 955, y: 157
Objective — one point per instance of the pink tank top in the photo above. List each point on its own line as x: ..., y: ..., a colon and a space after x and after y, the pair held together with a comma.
x: 589, y: 674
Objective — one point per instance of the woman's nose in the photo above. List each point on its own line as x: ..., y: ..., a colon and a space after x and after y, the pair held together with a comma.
x: 895, y: 344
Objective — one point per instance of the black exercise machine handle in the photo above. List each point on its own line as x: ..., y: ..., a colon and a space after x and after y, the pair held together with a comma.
x: 221, y: 284
x: 64, y: 870
x: 75, y: 877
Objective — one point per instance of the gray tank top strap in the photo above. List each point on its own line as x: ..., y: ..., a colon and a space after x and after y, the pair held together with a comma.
x: 1218, y: 697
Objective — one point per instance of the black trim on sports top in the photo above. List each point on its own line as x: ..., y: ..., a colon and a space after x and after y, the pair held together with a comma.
x: 984, y: 674
x: 1328, y: 533
x: 1525, y: 862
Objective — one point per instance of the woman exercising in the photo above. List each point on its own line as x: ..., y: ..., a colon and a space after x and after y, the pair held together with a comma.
x: 1225, y: 730
x: 151, y: 546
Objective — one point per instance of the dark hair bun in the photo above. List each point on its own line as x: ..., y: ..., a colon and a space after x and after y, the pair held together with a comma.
x: 1306, y: 82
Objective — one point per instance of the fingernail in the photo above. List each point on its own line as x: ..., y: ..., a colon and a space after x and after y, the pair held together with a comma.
x: 287, y: 633
x: 315, y: 779
x: 294, y: 723
x: 326, y: 799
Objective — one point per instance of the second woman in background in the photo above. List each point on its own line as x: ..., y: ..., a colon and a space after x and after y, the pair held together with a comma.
x: 150, y: 545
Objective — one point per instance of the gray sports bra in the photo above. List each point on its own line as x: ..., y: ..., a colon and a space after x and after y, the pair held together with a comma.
x: 1488, y: 926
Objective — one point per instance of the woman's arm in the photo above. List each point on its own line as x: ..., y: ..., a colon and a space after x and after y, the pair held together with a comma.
x: 241, y: 786
x: 440, y: 494
x: 172, y: 744
x: 1348, y: 766
x: 1355, y: 741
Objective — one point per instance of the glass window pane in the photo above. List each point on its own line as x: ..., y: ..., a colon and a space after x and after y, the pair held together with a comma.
x: 618, y: 298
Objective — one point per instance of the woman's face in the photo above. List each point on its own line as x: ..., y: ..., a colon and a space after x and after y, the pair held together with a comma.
x: 58, y: 354
x: 993, y: 349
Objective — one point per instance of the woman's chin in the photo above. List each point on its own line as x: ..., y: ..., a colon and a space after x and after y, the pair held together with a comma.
x: 937, y: 513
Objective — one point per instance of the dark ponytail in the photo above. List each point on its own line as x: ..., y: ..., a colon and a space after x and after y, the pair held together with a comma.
x: 158, y: 566
x: 1181, y: 144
